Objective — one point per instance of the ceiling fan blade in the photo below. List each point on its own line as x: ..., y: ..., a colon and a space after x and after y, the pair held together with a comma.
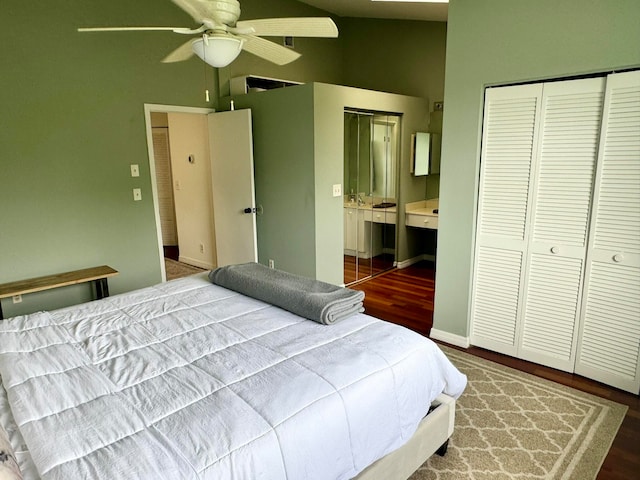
x: 184, y: 30
x: 183, y: 52
x: 291, y: 27
x: 268, y: 50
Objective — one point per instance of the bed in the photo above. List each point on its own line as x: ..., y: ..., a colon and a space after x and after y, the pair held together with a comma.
x: 190, y: 380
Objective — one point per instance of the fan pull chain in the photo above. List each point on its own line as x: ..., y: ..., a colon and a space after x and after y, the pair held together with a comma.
x: 205, y: 39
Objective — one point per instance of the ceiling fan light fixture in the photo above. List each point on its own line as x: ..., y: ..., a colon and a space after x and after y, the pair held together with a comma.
x: 218, y: 51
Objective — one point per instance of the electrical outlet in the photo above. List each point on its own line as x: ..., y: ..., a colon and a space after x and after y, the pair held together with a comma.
x: 137, y: 194
x: 135, y: 170
x: 17, y: 298
x: 272, y: 264
x: 202, y: 248
x: 337, y: 190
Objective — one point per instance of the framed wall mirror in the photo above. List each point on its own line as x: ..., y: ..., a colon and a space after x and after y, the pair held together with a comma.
x: 425, y: 154
x: 421, y: 153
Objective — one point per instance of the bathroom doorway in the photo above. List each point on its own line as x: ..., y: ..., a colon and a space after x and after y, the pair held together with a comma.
x: 371, y: 185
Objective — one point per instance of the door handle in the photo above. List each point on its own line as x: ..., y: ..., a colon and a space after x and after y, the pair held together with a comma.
x: 249, y: 210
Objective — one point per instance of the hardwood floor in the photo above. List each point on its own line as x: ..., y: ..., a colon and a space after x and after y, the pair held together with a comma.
x: 402, y: 296
x: 366, y: 267
x: 405, y: 297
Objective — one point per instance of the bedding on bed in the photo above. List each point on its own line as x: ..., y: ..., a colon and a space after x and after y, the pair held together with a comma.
x: 189, y: 380
x: 9, y: 469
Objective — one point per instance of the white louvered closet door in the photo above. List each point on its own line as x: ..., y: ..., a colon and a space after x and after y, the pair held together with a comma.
x: 562, y: 184
x: 609, y: 348
x: 164, y: 181
x: 508, y: 143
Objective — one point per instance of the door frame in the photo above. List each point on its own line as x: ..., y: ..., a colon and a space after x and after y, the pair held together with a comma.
x: 148, y: 108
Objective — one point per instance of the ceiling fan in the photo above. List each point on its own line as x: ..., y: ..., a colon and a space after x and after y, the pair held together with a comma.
x: 223, y: 37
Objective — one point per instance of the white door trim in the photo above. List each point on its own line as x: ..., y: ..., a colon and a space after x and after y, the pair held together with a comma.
x: 148, y: 108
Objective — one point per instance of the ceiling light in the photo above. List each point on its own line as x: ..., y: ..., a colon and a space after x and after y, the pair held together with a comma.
x: 218, y: 50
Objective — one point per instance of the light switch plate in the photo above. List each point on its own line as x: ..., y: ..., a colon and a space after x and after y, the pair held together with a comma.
x: 137, y: 194
x: 337, y: 190
x: 135, y: 170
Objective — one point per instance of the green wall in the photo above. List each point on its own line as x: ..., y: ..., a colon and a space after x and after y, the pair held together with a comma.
x: 405, y: 57
x: 299, y: 156
x: 284, y: 176
x: 399, y: 56
x: 73, y: 122
x: 498, y: 42
x: 330, y: 102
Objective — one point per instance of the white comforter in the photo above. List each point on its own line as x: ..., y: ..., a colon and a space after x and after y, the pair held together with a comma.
x: 188, y: 380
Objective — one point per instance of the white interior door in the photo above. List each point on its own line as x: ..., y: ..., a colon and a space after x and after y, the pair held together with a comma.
x: 231, y: 147
x: 164, y: 184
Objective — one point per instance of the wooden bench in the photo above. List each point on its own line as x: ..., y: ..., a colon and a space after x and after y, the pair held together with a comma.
x: 98, y: 275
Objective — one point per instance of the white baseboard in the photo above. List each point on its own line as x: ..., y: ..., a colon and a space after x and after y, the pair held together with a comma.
x: 450, y: 338
x: 419, y: 258
x: 195, y: 262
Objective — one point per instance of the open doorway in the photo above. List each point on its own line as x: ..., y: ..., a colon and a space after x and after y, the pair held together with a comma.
x: 211, y: 167
x: 164, y: 184
x: 181, y: 183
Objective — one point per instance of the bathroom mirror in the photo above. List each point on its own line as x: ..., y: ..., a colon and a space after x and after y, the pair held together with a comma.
x: 425, y: 153
x: 371, y: 150
x: 371, y: 153
x: 421, y: 153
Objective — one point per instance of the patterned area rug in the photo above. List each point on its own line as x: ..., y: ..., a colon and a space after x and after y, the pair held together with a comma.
x: 176, y: 269
x: 512, y: 425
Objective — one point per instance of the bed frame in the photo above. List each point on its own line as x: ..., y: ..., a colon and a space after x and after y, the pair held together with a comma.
x: 432, y: 436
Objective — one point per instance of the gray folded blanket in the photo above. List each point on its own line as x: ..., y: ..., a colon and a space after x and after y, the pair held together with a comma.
x: 309, y: 298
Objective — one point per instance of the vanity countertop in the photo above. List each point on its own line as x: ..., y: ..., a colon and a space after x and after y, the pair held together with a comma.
x: 369, y: 206
x: 422, y: 207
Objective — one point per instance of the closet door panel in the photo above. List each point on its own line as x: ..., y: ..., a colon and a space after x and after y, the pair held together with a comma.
x: 562, y: 182
x: 508, y: 146
x: 496, y: 293
x: 507, y: 151
x: 611, y: 326
x: 610, y: 341
x: 552, y: 302
x: 570, y: 133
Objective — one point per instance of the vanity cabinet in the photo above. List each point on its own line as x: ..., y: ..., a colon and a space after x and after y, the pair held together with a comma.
x: 363, y: 233
x: 557, y: 261
x: 380, y: 216
x: 419, y: 220
x: 356, y: 233
x: 422, y: 214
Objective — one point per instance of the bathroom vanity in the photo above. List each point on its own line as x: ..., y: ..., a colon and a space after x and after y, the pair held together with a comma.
x: 422, y: 214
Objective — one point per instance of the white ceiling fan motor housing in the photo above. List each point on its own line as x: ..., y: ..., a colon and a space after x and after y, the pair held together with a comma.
x: 223, y: 12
